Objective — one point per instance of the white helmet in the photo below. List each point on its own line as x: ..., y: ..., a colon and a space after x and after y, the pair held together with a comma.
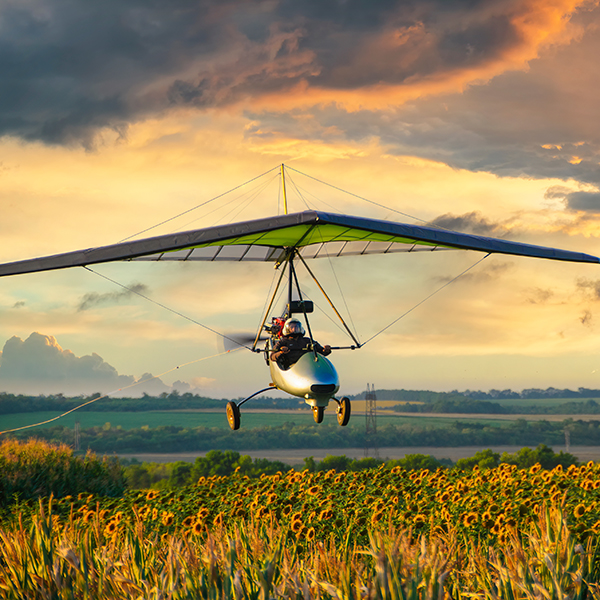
x: 293, y: 327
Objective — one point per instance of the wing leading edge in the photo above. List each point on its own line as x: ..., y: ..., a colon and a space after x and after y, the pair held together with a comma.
x: 313, y: 233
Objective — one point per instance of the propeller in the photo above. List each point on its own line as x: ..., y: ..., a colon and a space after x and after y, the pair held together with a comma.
x: 234, y: 341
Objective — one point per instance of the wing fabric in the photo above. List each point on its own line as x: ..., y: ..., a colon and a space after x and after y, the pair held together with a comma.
x: 313, y: 233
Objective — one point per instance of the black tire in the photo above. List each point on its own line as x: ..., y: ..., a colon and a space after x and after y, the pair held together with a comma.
x: 343, y: 412
x: 318, y: 412
x: 233, y: 415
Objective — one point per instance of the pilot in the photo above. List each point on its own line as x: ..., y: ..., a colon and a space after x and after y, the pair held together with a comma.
x: 293, y: 344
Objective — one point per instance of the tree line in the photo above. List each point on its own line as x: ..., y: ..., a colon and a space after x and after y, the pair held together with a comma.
x: 109, y: 439
x: 484, y: 407
x: 216, y: 462
x: 20, y: 403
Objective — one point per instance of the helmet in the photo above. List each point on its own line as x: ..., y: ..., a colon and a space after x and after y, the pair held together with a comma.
x: 293, y: 327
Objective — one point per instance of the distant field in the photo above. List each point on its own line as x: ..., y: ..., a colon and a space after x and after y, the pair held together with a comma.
x: 540, y: 401
x: 250, y: 419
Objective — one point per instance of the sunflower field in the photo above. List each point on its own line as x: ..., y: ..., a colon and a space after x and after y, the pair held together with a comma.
x: 380, y: 533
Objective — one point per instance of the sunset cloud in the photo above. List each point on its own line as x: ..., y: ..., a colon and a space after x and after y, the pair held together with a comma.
x: 472, y: 115
x: 69, y: 70
x: 38, y: 365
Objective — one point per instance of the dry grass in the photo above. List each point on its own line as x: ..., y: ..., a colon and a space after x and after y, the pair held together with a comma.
x: 260, y: 559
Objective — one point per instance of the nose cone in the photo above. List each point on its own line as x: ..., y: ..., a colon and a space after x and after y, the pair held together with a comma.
x: 311, y: 378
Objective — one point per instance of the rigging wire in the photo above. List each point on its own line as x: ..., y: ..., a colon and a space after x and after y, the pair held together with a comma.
x: 301, y: 196
x: 115, y: 391
x: 426, y: 298
x: 260, y: 189
x: 175, y: 312
x: 198, y: 205
x: 335, y: 187
x: 251, y: 198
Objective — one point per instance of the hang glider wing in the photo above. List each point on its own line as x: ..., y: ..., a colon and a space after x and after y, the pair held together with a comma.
x: 313, y: 233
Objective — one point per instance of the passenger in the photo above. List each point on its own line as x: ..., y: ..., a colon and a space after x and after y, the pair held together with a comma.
x: 293, y: 344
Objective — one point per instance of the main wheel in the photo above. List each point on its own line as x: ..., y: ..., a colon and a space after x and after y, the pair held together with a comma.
x: 233, y: 415
x: 343, y: 411
x: 318, y: 412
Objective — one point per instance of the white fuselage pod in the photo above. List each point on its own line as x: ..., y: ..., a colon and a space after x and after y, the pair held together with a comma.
x: 312, y: 377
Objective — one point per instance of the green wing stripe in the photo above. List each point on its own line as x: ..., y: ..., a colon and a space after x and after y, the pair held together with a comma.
x: 268, y: 239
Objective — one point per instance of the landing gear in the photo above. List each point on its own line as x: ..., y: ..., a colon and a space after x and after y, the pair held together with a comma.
x: 233, y: 409
x: 343, y: 411
x: 233, y: 415
x: 318, y: 412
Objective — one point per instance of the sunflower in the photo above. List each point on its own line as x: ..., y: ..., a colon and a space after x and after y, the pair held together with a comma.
x: 188, y: 522
x: 261, y: 512
x: 313, y: 490
x: 510, y: 522
x: 203, y: 513
x: 167, y: 518
x: 88, y: 517
x: 198, y: 527
x: 103, y: 514
x: 487, y: 519
x: 218, y: 520
x: 377, y: 516
x: 152, y: 495
x: 419, y: 520
x: 111, y: 528
x: 537, y: 467
x: 579, y: 511
x: 310, y: 534
x: 297, y: 526
x: 470, y: 519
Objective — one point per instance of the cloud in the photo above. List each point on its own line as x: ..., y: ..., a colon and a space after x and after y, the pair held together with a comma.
x: 71, y: 69
x: 39, y: 365
x: 576, y: 201
x: 586, y: 318
x: 472, y: 222
x: 538, y: 122
x: 589, y: 287
x: 540, y: 296
x: 94, y: 299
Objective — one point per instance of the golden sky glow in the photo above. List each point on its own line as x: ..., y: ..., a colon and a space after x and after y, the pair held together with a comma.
x: 481, y: 116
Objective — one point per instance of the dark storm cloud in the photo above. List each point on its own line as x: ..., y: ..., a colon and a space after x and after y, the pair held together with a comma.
x: 69, y: 68
x: 94, y: 299
x: 539, y: 123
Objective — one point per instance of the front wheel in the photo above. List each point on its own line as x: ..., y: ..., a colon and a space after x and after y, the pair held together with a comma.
x: 318, y: 412
x: 233, y: 415
x: 343, y: 412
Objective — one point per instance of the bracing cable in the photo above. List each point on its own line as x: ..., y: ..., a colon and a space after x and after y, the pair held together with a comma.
x: 339, y: 189
x: 425, y: 299
x: 175, y: 312
x: 198, y: 205
x: 191, y: 362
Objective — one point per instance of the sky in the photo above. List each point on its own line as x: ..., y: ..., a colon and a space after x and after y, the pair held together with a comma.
x: 475, y: 115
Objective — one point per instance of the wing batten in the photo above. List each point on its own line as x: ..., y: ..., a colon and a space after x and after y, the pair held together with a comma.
x: 268, y: 239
